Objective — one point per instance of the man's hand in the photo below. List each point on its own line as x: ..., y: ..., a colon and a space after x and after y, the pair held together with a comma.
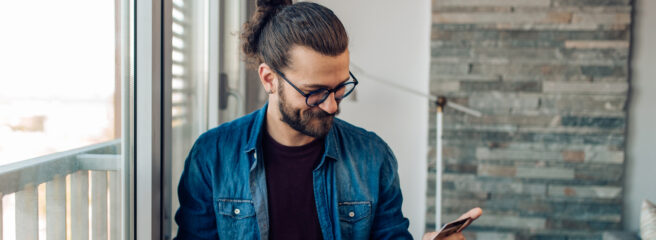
x: 474, y: 213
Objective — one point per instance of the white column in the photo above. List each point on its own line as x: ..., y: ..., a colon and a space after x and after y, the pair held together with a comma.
x: 438, y: 170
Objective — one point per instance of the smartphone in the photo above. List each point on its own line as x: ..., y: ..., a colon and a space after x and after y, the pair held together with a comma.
x: 453, y: 227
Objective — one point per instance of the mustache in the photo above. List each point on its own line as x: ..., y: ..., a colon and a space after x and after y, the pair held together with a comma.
x: 320, y: 114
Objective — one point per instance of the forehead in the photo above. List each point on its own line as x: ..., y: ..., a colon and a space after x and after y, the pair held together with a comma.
x: 312, y: 67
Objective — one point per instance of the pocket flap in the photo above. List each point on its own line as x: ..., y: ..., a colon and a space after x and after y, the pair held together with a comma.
x: 354, y: 211
x: 236, y: 208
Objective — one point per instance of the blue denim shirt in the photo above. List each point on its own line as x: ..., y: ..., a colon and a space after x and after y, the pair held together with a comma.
x: 223, y: 192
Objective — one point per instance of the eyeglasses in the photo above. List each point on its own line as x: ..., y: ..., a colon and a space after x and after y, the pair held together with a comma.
x: 318, y: 96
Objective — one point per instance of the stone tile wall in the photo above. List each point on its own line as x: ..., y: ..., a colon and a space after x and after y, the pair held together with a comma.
x: 551, y: 77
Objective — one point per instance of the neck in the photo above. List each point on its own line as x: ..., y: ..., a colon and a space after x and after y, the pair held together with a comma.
x: 281, y: 132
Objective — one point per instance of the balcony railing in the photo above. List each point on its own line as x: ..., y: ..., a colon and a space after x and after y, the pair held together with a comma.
x: 82, y: 194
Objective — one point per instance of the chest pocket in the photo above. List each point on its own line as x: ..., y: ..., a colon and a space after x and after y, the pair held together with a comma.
x: 355, y: 219
x: 235, y: 219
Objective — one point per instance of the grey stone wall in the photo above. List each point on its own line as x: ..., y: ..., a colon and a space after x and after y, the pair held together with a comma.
x: 551, y: 77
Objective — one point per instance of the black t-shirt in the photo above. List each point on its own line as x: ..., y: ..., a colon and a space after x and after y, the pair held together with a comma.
x: 292, y: 209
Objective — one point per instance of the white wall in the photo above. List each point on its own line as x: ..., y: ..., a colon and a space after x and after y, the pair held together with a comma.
x: 392, y: 39
x: 641, y: 151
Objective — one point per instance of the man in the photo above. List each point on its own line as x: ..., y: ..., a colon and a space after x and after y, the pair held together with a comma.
x: 291, y: 170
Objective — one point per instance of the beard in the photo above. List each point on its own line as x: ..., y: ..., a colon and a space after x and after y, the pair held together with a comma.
x: 312, y: 122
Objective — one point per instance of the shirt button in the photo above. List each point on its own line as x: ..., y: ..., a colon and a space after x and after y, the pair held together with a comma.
x: 351, y: 214
x: 237, y: 211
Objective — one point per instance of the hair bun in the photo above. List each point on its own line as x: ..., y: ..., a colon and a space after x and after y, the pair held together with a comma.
x: 251, y: 30
x: 272, y: 3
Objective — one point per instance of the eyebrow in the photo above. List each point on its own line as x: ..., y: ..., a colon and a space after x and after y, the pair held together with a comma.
x: 317, y: 86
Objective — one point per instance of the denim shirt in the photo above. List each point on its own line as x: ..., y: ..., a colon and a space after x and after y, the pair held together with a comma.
x: 223, y: 193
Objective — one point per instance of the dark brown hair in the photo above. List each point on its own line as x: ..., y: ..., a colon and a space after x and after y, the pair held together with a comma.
x: 278, y: 25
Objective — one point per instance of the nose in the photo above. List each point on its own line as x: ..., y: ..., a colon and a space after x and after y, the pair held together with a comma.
x: 330, y: 105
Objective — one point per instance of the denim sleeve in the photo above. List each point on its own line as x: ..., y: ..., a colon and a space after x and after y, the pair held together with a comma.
x: 195, y: 217
x: 389, y: 222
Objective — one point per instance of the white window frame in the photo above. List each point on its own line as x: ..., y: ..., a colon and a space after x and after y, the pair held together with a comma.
x: 148, y: 120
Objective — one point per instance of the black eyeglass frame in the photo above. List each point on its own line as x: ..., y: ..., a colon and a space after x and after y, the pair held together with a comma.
x: 323, y: 90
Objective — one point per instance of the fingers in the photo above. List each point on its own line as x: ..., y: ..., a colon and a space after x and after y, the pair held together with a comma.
x: 432, y: 235
x: 429, y: 236
x: 455, y: 236
x: 474, y: 213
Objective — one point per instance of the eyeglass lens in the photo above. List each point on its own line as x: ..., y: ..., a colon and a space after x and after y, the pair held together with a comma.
x: 319, y: 97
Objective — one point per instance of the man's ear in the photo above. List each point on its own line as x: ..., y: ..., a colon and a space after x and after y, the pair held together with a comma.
x: 268, y: 78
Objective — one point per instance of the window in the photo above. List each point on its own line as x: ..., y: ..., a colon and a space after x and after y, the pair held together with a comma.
x: 91, y: 110
x: 64, y: 119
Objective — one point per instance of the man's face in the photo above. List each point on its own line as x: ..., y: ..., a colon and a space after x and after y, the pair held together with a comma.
x: 309, y: 71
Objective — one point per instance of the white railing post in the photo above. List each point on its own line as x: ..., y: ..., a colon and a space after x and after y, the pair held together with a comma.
x: 99, y: 213
x: 56, y: 208
x: 27, y: 218
x: 115, y: 197
x: 1, y: 234
x: 80, y: 205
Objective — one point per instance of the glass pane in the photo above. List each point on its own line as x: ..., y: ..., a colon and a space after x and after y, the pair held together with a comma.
x: 53, y: 70
x: 189, y: 84
x: 232, y: 60
x: 64, y: 117
x: 196, y: 61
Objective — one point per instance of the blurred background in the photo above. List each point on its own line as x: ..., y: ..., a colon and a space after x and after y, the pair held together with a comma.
x: 563, y: 149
